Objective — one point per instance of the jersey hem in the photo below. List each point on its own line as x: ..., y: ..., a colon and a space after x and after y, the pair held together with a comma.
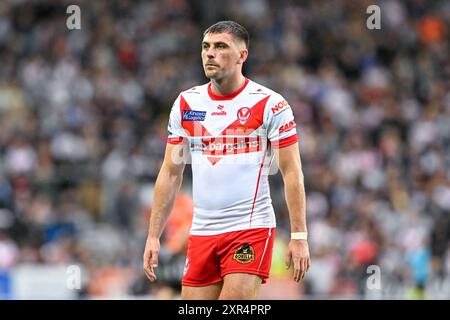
x: 285, y: 142
x: 213, y: 233
x: 177, y: 140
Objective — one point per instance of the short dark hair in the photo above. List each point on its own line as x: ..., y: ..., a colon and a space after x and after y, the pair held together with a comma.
x: 232, y: 27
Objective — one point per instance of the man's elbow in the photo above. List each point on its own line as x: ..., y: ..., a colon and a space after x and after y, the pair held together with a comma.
x: 171, y: 172
x: 293, y: 174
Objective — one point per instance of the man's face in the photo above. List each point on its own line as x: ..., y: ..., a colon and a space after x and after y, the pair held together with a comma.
x: 222, y: 55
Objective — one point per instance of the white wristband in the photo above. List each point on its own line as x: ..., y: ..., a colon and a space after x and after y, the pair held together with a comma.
x: 299, y: 235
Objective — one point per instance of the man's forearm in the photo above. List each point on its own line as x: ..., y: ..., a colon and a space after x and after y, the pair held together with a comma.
x: 295, y: 199
x: 166, y: 189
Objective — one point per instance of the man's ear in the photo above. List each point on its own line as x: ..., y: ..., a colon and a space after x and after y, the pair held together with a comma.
x: 243, y: 55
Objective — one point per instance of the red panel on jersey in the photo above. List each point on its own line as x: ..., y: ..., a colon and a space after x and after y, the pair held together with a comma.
x: 254, y: 122
x: 285, y: 142
x: 214, y: 160
x: 243, y: 145
x: 176, y: 140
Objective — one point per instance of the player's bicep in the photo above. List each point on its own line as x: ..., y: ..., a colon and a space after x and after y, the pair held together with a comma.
x: 175, y: 158
x: 289, y: 160
x: 288, y: 157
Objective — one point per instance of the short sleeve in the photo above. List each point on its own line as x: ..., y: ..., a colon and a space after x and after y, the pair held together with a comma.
x: 175, y: 130
x: 281, y: 126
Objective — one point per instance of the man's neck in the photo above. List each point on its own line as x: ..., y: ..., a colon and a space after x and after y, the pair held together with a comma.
x: 223, y: 87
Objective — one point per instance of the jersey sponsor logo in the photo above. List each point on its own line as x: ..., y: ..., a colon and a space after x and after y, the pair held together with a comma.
x: 224, y: 146
x: 287, y: 127
x: 244, y: 114
x: 193, y: 115
x: 279, y: 107
x: 245, y: 254
x: 220, y: 111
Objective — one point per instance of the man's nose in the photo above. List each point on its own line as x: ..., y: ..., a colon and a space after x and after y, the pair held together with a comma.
x: 210, y: 53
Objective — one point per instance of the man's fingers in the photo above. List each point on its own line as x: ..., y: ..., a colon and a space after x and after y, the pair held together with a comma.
x: 297, y: 269
x: 302, y: 275
x: 300, y: 261
x: 299, y: 275
x: 288, y: 260
x: 304, y: 266
x: 150, y: 272
x: 301, y: 266
x: 150, y: 275
x: 154, y: 259
x: 151, y: 262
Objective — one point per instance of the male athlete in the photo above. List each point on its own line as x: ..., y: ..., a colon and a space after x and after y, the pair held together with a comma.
x: 232, y: 127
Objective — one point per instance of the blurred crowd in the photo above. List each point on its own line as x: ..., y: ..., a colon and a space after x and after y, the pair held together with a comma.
x: 83, y: 127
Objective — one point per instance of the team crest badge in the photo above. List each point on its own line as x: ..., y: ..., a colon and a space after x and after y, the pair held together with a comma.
x: 243, y: 114
x: 245, y: 254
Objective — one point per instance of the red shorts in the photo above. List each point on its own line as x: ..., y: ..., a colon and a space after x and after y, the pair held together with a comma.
x: 210, y: 258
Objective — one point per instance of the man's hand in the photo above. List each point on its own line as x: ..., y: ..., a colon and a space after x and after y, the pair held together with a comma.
x: 298, y: 252
x: 151, y: 258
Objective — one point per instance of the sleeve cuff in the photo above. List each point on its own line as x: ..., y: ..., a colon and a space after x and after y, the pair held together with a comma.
x: 176, y: 140
x: 285, y: 142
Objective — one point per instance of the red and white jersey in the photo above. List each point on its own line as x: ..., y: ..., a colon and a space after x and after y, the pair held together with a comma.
x: 231, y: 140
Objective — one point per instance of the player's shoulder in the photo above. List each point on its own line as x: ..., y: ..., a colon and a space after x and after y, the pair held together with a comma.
x: 259, y: 89
x: 195, y: 90
x: 276, y: 103
x: 191, y: 95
